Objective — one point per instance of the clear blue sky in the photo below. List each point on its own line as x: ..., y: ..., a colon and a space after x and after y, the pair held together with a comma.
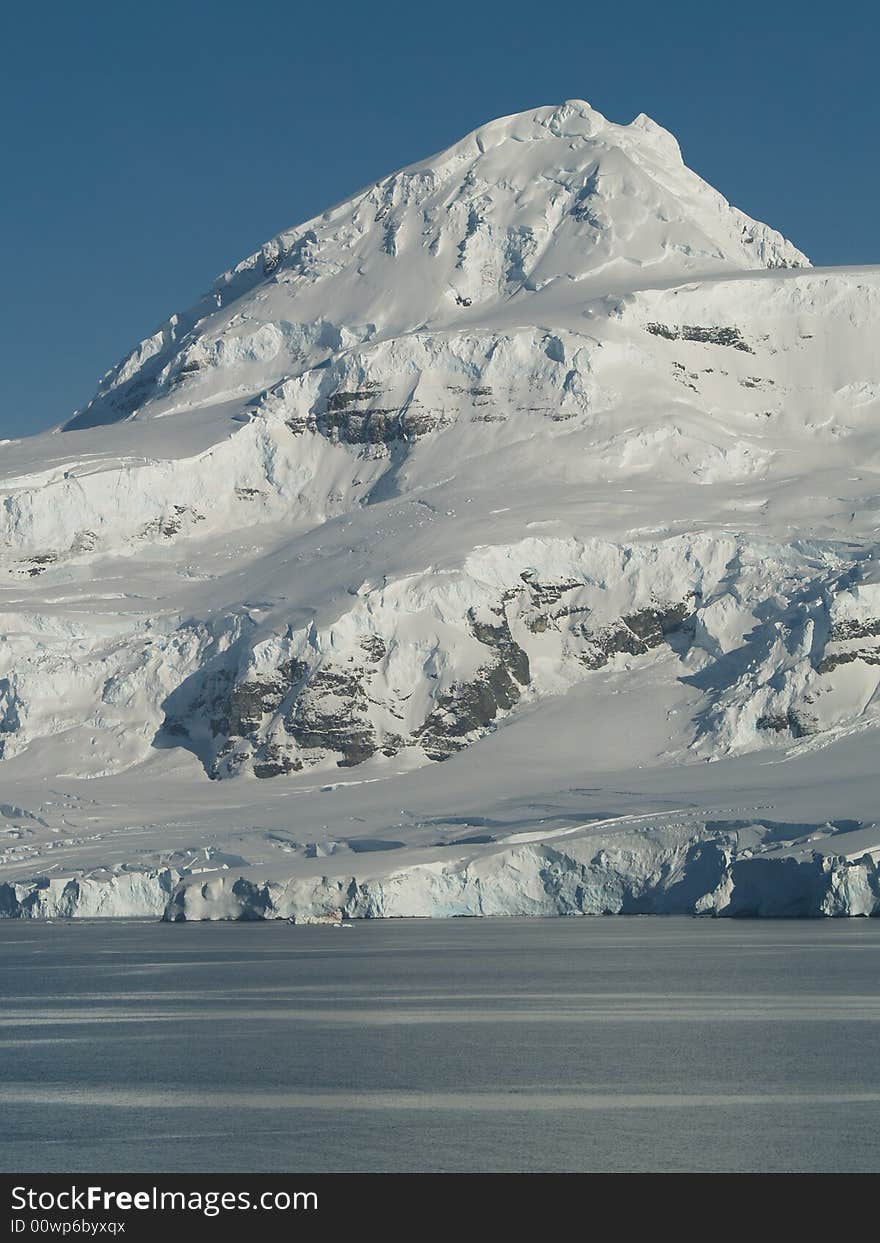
x: 147, y: 147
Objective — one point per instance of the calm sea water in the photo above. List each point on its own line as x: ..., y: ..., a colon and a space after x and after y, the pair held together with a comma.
x: 569, y: 1044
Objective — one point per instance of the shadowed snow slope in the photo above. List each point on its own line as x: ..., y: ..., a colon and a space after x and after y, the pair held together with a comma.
x: 501, y: 541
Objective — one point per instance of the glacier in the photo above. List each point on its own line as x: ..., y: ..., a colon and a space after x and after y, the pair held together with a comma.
x: 500, y: 542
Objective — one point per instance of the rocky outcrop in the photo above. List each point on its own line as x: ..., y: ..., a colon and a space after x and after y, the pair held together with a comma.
x: 299, y: 714
x: 780, y: 648
x: 792, y: 722
x: 634, y: 635
x: 330, y: 715
x: 851, y: 638
x: 296, y: 716
x: 708, y: 336
x: 468, y: 709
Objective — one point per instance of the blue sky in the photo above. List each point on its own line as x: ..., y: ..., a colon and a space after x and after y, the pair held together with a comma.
x: 145, y: 148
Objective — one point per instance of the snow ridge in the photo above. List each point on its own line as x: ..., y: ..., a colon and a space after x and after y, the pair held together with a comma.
x: 557, y: 194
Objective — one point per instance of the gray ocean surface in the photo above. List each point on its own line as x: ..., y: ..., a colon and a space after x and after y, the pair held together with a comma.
x: 595, y: 1044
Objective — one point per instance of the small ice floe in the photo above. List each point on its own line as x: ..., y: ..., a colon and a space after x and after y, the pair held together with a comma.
x: 330, y: 919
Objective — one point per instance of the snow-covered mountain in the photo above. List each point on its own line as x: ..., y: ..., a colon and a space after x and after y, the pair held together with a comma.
x: 422, y: 566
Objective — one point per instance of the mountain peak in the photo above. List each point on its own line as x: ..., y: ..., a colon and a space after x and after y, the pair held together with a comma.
x: 574, y: 123
x: 574, y: 118
x: 556, y: 198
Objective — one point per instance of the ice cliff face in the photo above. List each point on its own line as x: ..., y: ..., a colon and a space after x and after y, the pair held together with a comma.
x: 537, y: 451
x: 736, y: 872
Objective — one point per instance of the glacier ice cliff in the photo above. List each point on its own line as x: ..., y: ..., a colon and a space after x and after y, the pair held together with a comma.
x: 731, y: 871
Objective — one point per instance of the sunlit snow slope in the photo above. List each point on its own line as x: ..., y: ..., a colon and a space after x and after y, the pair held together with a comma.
x: 501, y: 541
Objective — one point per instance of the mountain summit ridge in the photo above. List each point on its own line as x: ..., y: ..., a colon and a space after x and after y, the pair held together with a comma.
x: 552, y: 194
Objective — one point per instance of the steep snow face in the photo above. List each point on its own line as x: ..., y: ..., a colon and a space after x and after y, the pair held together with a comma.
x: 557, y: 196
x: 536, y: 465
x: 424, y: 666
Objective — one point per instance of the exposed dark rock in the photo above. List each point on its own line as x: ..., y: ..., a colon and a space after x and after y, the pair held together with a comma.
x: 793, y: 722
x: 391, y: 744
x: 39, y: 563
x: 543, y: 597
x: 663, y: 330
x: 652, y: 625
x: 271, y: 258
x: 210, y: 703
x: 341, y: 400
x: 295, y: 715
x: 247, y: 703
x: 613, y: 641
x: 187, y: 368
x: 355, y: 417
x: 467, y: 708
x: 478, y: 391
x: 869, y: 655
x: 543, y: 594
x: 10, y: 720
x: 845, y: 632
x: 470, y: 707
x: 497, y: 635
x: 272, y: 760
x: 295, y: 257
x: 374, y: 647
x: 235, y: 713
x: 361, y: 427
x: 583, y: 207
x: 855, y: 630
x: 635, y: 634
x: 170, y: 524
x: 709, y: 336
x: 329, y: 715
